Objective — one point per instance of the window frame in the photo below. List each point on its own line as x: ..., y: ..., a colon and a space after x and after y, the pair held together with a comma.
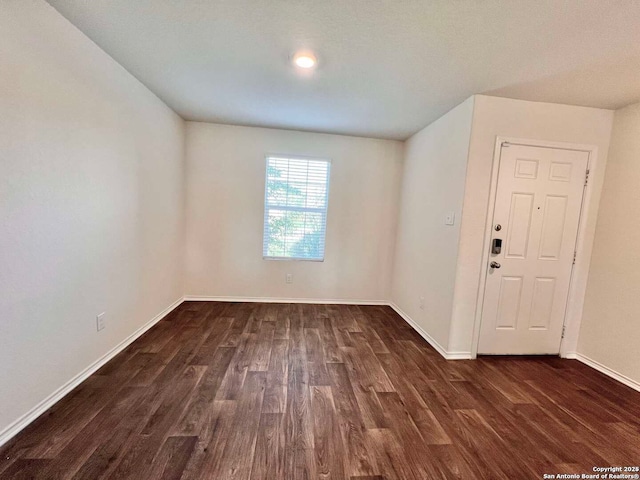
x: 302, y: 209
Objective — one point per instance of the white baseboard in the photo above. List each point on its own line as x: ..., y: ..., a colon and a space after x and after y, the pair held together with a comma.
x: 405, y: 317
x: 332, y: 301
x: 629, y: 382
x: 14, y: 428
x: 439, y: 348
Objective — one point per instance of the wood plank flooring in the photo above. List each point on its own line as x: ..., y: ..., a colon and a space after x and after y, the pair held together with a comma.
x: 283, y: 391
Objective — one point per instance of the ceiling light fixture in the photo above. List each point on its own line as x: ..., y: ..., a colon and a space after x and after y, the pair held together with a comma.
x: 305, y: 60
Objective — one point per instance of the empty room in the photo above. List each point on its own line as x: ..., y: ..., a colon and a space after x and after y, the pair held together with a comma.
x: 319, y: 239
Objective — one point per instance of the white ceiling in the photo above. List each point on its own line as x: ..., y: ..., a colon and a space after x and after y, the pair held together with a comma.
x: 387, y: 67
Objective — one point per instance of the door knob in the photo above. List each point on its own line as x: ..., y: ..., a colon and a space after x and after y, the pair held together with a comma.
x: 495, y: 265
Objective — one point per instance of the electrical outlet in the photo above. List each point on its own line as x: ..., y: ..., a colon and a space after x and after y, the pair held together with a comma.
x: 421, y: 302
x: 100, y: 321
x: 289, y: 278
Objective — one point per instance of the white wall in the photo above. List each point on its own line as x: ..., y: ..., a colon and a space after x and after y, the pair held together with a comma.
x: 610, y: 328
x: 494, y: 117
x: 93, y: 214
x: 91, y: 204
x: 426, y: 249
x: 225, y: 210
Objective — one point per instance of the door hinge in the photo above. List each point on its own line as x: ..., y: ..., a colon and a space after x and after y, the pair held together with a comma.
x: 575, y: 254
x: 586, y: 177
x: 564, y: 327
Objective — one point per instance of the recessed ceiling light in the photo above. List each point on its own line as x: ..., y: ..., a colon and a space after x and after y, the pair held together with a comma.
x: 305, y: 60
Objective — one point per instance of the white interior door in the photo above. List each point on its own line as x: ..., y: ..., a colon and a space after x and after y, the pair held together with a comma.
x: 536, y: 215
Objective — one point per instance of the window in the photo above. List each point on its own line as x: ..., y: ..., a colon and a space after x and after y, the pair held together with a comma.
x: 295, y: 208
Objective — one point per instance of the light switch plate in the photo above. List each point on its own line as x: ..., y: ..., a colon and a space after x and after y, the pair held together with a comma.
x: 100, y: 321
x: 450, y: 218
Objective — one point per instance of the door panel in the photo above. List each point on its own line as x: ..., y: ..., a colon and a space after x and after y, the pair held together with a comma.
x: 538, y: 203
x: 519, y: 225
x: 555, y: 208
x: 560, y: 172
x: 509, y: 303
x: 542, y: 302
x: 526, y: 168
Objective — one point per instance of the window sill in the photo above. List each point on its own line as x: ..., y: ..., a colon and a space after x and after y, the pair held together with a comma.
x: 296, y: 259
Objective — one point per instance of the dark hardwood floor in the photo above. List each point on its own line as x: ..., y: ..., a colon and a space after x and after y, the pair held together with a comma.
x: 270, y: 391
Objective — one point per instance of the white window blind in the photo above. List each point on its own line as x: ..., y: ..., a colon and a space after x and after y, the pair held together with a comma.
x: 295, y: 211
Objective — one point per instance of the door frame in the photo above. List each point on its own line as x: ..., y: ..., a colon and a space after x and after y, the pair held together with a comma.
x: 579, y: 270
